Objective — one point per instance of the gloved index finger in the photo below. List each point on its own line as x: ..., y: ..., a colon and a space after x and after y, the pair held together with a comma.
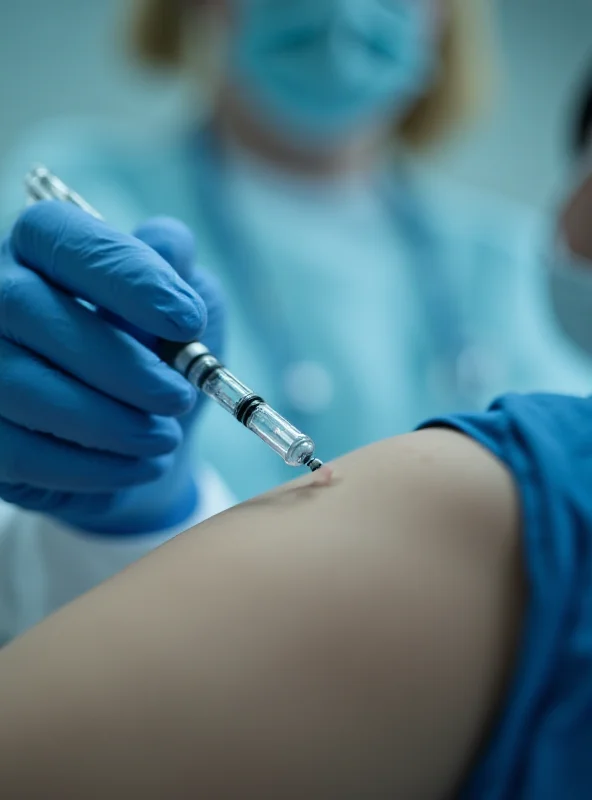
x: 109, y: 269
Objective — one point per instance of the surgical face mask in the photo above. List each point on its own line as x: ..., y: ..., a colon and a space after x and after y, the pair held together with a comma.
x: 320, y: 70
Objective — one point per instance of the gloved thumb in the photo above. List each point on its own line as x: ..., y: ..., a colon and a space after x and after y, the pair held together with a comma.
x: 173, y: 241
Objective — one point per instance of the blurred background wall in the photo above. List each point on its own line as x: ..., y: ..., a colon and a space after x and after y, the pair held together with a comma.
x: 60, y: 56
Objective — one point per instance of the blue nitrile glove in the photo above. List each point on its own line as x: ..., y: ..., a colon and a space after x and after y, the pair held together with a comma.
x: 93, y: 425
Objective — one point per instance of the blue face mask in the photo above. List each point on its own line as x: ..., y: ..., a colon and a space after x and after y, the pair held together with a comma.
x: 321, y: 69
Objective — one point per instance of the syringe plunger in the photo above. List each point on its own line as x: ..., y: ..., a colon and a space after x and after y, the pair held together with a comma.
x: 205, y: 372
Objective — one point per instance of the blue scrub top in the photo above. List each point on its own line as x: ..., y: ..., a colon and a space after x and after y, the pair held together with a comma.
x: 542, y: 746
x: 351, y: 286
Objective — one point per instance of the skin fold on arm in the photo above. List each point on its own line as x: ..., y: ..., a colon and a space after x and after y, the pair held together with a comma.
x: 344, y: 637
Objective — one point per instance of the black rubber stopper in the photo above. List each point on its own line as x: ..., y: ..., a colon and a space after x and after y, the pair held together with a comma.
x: 169, y: 351
x: 246, y: 408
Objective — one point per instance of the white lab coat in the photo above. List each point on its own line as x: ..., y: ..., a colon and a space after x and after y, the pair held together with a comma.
x: 44, y: 564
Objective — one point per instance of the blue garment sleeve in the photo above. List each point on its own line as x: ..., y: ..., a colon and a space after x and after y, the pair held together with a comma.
x: 541, y: 748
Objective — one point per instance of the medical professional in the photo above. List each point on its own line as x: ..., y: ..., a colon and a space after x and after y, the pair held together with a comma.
x: 361, y: 298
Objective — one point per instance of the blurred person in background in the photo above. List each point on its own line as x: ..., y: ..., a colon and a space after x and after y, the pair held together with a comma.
x: 363, y: 294
x: 571, y: 267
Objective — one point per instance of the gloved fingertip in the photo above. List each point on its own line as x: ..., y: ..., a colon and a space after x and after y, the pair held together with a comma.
x: 162, y: 436
x: 156, y: 468
x: 177, y: 400
x: 210, y: 289
x: 172, y: 240
x: 141, y: 471
x: 189, y: 318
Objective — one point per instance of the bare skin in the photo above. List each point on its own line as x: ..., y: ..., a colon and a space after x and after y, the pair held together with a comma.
x: 324, y: 476
x: 344, y: 639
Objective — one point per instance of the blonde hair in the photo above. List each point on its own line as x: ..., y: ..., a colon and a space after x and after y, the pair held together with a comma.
x: 159, y: 35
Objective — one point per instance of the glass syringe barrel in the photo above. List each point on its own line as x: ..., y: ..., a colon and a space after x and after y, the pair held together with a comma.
x: 195, y: 362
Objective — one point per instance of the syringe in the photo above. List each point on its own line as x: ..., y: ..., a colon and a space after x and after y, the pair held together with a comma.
x: 195, y: 362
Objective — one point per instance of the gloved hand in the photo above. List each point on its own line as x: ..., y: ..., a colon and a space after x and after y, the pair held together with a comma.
x: 93, y: 425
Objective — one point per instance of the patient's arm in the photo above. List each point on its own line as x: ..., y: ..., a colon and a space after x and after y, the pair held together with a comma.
x: 341, y: 641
